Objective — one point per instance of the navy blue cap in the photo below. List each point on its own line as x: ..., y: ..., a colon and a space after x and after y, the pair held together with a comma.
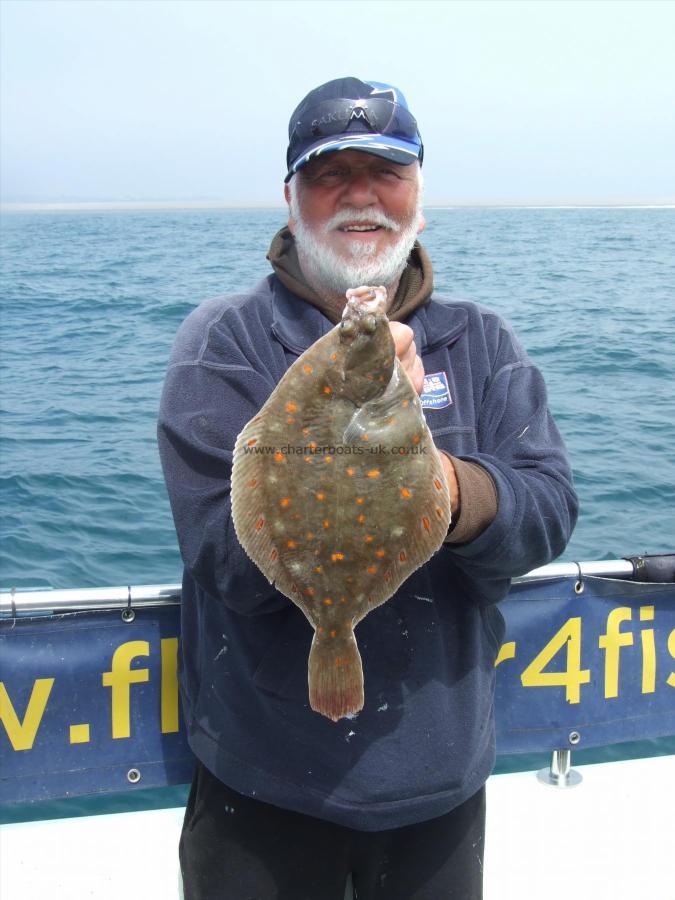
x: 350, y: 114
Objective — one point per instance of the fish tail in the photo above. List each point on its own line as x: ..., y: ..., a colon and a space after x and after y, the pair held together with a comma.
x: 335, y: 676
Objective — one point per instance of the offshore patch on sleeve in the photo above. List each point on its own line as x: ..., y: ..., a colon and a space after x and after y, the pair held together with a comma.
x: 435, y: 393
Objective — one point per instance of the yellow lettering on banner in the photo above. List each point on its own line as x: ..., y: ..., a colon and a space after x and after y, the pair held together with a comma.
x: 169, y: 685
x: 612, y: 642
x: 670, y: 680
x: 506, y: 651
x: 573, y: 676
x: 120, y: 678
x: 648, y: 651
x: 22, y: 734
x: 79, y: 734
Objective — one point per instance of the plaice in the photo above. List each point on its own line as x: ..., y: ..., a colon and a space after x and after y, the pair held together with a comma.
x: 338, y: 492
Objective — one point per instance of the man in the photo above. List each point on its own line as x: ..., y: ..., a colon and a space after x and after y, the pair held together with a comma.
x: 285, y: 803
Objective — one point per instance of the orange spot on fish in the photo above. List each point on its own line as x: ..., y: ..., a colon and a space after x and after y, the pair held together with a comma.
x: 387, y: 576
x: 439, y: 512
x: 349, y: 471
x: 253, y: 482
x: 290, y: 420
x: 291, y: 407
x: 426, y: 523
x: 368, y: 539
x: 364, y: 437
x: 327, y: 601
x: 328, y: 459
x: 373, y: 473
x: 318, y: 569
x: 359, y: 500
x: 309, y: 591
x: 307, y: 369
x: 320, y: 495
x: 437, y: 484
x: 307, y: 458
x: 278, y: 456
x: 327, y: 389
x: 402, y: 556
x: 252, y: 442
x: 312, y: 445
x: 291, y: 544
x: 273, y: 555
x: 285, y: 501
x: 379, y: 552
x: 405, y: 493
x: 361, y: 519
x: 333, y: 356
x: 326, y: 523
x: 336, y: 557
x: 416, y: 439
x: 259, y: 524
x: 305, y: 431
x: 371, y: 570
x: 405, y: 403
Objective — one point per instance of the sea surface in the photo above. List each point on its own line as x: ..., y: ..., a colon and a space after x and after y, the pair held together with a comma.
x: 91, y: 302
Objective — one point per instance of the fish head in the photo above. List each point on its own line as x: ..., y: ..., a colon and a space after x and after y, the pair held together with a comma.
x: 368, y: 347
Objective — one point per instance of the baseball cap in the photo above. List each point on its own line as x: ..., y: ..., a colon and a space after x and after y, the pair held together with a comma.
x: 350, y: 114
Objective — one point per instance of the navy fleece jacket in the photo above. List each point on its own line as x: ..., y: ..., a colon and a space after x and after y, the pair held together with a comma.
x: 424, y: 741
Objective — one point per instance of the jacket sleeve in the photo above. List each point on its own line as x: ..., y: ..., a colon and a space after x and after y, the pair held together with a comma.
x: 521, y: 448
x: 205, y: 403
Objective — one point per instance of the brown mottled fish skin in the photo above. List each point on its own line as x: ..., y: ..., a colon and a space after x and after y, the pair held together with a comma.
x: 338, y: 492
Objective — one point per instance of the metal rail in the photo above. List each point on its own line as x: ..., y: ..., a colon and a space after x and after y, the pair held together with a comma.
x: 40, y: 602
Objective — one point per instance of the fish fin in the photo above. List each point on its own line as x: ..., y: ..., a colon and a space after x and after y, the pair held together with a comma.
x: 335, y: 677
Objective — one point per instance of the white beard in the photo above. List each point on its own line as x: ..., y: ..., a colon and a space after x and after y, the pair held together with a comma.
x: 326, y: 268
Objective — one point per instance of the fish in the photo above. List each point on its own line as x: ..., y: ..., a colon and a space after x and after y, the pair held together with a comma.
x: 338, y: 491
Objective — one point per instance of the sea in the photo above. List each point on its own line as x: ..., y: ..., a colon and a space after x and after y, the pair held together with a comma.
x: 91, y: 301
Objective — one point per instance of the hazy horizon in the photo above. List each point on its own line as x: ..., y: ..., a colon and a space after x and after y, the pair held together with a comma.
x: 186, y: 104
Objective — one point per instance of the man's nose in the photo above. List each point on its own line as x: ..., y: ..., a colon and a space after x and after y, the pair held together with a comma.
x: 359, y: 189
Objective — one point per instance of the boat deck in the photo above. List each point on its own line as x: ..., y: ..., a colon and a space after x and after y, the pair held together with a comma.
x: 609, y: 838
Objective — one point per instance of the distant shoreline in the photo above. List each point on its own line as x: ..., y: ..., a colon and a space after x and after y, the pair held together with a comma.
x: 187, y: 205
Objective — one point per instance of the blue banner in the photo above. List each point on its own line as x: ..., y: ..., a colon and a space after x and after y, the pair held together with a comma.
x: 585, y: 669
x: 89, y: 703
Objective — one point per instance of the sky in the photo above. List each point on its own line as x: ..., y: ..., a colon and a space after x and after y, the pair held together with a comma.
x: 541, y: 102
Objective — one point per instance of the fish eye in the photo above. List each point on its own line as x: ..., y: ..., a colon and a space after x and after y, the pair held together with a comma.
x: 347, y: 327
x: 369, y: 324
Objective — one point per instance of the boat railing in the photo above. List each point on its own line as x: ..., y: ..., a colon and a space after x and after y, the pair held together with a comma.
x: 43, y: 601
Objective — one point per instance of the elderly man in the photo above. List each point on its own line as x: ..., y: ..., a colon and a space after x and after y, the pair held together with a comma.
x: 285, y: 803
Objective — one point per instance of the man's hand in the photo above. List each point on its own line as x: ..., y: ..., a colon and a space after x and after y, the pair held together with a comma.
x: 406, y: 351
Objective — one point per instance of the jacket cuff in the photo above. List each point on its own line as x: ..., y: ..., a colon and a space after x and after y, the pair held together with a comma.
x: 478, y: 501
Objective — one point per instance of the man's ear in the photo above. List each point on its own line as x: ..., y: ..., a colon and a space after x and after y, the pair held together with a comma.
x: 421, y: 225
x: 291, y: 221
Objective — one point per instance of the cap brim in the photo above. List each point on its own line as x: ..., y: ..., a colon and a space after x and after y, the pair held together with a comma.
x: 394, y: 149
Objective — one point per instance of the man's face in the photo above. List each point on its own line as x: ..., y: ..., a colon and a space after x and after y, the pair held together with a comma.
x: 355, y: 218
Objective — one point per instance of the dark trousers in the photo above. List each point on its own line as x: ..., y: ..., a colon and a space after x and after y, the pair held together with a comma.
x: 236, y: 848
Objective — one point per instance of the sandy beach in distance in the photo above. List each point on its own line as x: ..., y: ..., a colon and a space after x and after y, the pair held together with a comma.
x: 121, y: 205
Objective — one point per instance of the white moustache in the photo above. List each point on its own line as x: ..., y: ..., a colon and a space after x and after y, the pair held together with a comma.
x: 360, y: 217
